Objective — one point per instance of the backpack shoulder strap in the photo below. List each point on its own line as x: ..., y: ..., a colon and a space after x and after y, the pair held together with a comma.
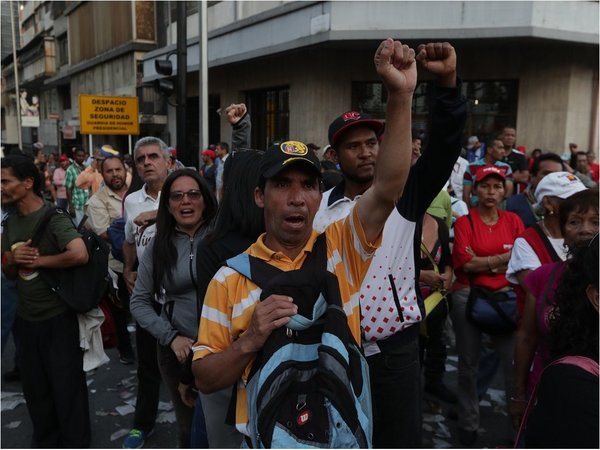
x: 430, y: 257
x: 42, y: 225
x: 583, y: 362
x: 542, y: 241
x: 547, y: 289
x: 317, y: 258
x: 255, y: 269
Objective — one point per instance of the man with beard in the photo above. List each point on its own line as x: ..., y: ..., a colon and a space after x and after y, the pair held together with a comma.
x: 102, y: 208
x: 391, y: 307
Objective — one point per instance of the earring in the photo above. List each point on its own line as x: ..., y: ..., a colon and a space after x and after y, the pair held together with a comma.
x: 550, y: 213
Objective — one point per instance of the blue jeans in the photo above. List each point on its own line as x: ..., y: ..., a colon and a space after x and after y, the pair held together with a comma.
x: 199, y: 438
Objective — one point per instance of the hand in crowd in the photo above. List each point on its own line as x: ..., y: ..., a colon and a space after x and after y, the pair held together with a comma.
x: 434, y: 280
x: 145, y: 219
x: 396, y: 66
x: 273, y: 312
x: 25, y: 255
x: 235, y: 112
x: 439, y: 58
x: 516, y: 409
x: 188, y: 396
x: 181, y: 346
x: 129, y: 276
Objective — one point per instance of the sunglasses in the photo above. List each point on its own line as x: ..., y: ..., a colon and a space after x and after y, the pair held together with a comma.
x: 193, y: 195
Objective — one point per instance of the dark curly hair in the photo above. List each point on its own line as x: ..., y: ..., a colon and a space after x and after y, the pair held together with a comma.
x: 574, y: 327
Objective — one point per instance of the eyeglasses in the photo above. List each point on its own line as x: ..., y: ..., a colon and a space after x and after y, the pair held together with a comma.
x: 193, y: 195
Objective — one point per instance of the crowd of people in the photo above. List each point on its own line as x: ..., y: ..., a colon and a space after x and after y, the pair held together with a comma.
x: 419, y: 233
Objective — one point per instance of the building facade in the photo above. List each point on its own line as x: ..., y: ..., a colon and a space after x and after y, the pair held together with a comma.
x: 299, y: 64
x: 68, y: 48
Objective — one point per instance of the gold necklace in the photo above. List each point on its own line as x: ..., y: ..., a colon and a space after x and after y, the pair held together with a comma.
x: 490, y: 222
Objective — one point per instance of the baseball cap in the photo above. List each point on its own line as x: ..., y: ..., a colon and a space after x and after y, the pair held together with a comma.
x: 173, y: 152
x: 210, y: 153
x: 63, y: 157
x: 471, y: 142
x: 350, y: 119
x: 282, y: 155
x: 558, y: 184
x: 107, y: 151
x: 489, y: 170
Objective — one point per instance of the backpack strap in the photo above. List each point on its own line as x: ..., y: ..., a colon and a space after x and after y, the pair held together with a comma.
x: 260, y: 272
x: 544, y: 241
x: 42, y: 224
x: 549, y: 286
x: 431, y: 260
x: 583, y: 362
x: 253, y: 268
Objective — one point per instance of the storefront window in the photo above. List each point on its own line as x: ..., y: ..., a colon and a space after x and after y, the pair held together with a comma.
x: 270, y: 112
x: 491, y: 104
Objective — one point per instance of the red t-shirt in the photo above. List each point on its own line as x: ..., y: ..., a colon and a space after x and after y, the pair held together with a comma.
x: 484, y: 240
x: 595, y: 171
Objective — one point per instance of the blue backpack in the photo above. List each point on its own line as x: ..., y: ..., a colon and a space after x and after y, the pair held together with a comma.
x: 309, y: 385
x: 116, y: 234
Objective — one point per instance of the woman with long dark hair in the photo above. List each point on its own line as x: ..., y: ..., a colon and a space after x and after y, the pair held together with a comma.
x: 566, y: 409
x: 238, y: 224
x: 165, y: 298
x: 577, y: 222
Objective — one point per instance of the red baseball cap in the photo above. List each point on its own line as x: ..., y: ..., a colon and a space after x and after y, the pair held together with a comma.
x: 210, y: 153
x: 488, y: 171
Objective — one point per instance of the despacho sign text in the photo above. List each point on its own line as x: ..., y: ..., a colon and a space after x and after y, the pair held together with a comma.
x: 108, y: 115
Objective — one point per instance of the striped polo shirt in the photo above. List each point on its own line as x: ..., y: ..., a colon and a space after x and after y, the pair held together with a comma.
x: 231, y: 298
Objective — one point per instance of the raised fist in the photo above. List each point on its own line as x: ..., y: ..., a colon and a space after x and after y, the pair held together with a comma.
x: 235, y: 112
x: 395, y: 64
x: 439, y: 58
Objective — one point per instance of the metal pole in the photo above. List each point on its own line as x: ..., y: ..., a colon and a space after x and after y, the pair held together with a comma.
x: 129, y: 139
x: 58, y: 137
x: 203, y: 91
x: 16, y: 71
x: 182, y: 145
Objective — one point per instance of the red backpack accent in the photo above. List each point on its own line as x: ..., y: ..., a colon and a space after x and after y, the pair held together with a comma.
x: 542, y: 247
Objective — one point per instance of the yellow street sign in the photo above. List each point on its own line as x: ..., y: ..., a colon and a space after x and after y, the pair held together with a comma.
x: 108, y: 115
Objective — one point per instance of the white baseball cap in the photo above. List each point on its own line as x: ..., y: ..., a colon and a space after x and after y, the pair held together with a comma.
x: 558, y: 184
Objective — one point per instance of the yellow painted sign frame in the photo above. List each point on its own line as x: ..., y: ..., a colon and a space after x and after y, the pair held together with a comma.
x: 99, y: 114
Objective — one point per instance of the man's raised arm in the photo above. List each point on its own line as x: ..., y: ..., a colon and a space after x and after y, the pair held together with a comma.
x: 396, y: 66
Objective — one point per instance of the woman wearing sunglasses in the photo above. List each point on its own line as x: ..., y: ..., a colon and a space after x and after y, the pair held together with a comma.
x: 165, y: 298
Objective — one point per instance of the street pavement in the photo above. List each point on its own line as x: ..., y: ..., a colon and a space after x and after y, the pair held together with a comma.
x: 112, y: 391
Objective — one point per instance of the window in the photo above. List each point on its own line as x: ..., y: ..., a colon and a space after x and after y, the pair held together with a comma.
x: 491, y: 104
x: 270, y: 112
x: 63, y: 50
x: 64, y: 93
